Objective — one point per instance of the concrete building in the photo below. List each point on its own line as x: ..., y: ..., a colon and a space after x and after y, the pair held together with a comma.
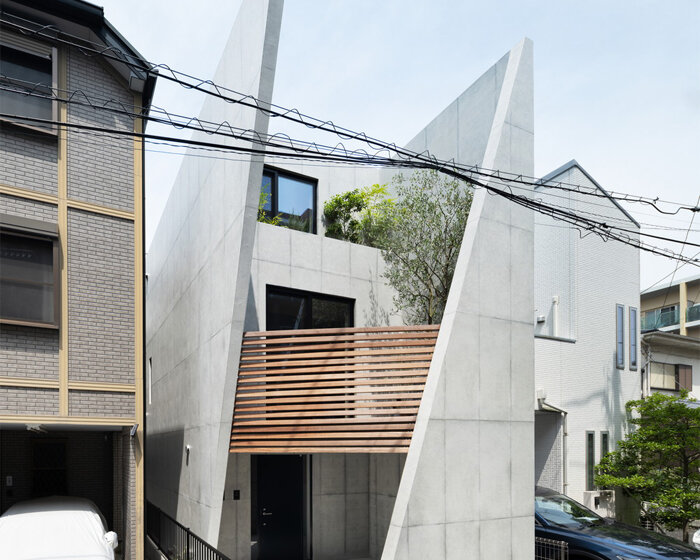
x: 456, y: 480
x: 671, y: 336
x: 587, y: 354
x: 71, y: 266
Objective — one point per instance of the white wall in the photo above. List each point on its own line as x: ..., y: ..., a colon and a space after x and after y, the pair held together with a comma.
x: 590, y: 276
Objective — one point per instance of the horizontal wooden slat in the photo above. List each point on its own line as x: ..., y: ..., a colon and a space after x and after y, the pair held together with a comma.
x: 341, y: 330
x: 292, y: 361
x: 335, y: 346
x: 331, y: 390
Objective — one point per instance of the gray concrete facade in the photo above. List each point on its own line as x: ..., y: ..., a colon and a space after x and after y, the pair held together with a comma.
x: 209, y: 267
x: 466, y: 489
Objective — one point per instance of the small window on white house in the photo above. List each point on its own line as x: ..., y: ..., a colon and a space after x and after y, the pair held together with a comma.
x: 590, y: 460
x: 633, y: 338
x: 149, y: 380
x: 27, y: 78
x: 604, y: 444
x: 620, y: 337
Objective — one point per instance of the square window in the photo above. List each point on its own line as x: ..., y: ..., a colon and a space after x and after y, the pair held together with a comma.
x: 290, y: 197
x: 29, y: 273
x: 289, y: 309
x: 24, y: 72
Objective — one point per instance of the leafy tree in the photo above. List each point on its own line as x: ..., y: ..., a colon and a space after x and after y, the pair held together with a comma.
x: 263, y: 215
x: 360, y: 215
x: 658, y: 462
x: 422, y: 242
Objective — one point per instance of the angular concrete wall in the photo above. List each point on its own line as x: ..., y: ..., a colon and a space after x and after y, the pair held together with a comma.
x: 199, y: 274
x: 467, y: 486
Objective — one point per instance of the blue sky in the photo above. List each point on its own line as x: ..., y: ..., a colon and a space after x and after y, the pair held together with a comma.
x: 617, y: 84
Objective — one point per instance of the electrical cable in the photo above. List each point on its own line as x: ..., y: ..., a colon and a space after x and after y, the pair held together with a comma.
x: 296, y: 116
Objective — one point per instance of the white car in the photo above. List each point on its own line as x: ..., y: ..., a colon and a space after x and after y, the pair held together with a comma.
x: 55, y: 528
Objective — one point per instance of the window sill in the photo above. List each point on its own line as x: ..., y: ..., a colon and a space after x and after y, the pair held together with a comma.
x: 51, y: 132
x: 29, y: 324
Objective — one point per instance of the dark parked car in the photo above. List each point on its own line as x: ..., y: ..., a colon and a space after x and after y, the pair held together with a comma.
x: 592, y: 537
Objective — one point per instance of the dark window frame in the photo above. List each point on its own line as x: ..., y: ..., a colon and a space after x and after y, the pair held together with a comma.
x: 619, y: 336
x: 8, y: 42
x: 283, y: 290
x: 604, y: 443
x: 53, y: 239
x: 590, y: 460
x: 633, y: 338
x: 274, y: 173
x: 678, y: 382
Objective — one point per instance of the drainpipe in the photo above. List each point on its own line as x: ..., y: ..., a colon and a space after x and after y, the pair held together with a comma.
x: 545, y: 406
x: 555, y: 315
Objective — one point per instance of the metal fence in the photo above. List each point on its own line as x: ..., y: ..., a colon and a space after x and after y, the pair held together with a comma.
x: 548, y: 549
x: 176, y: 541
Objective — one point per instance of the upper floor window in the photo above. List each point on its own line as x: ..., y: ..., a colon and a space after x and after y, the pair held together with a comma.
x: 29, y: 273
x: 289, y: 309
x: 290, y: 197
x: 671, y: 377
x: 620, y: 336
x: 27, y: 68
x: 633, y: 338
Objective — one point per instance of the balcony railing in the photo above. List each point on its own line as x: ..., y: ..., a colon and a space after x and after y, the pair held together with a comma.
x: 693, y: 313
x: 331, y: 390
x: 659, y: 318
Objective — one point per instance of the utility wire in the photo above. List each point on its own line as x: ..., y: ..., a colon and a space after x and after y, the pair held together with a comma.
x: 272, y: 110
x: 602, y: 229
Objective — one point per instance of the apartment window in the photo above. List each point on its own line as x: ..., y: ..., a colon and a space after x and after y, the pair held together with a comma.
x: 289, y: 309
x: 620, y: 337
x: 27, y: 67
x: 590, y: 460
x: 29, y: 273
x: 604, y: 444
x: 291, y: 197
x: 633, y: 338
x: 670, y: 377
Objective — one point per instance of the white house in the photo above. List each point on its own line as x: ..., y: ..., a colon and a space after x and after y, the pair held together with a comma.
x: 587, y: 336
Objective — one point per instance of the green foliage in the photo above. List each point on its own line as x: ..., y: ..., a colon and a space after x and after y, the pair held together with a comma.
x: 422, y: 244
x: 658, y: 462
x: 359, y: 216
x: 263, y: 216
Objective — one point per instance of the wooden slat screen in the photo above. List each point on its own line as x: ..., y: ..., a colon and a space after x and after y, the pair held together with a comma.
x: 351, y: 390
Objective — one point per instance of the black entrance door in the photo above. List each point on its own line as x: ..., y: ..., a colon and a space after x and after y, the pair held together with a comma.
x: 280, y: 515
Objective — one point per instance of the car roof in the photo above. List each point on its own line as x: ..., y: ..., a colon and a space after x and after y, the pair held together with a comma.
x: 543, y: 491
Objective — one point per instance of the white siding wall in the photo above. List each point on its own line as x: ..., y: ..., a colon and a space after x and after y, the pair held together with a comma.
x: 590, y: 278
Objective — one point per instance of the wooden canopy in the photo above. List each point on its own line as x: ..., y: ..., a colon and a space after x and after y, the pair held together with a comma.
x: 350, y: 390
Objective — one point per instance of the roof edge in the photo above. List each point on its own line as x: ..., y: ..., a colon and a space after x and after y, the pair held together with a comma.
x: 573, y: 163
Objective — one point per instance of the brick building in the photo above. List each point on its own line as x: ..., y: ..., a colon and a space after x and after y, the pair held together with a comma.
x: 71, y: 263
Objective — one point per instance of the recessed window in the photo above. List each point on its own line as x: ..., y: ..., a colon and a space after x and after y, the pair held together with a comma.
x: 289, y: 309
x: 28, y: 279
x: 604, y: 444
x: 620, y: 337
x: 633, y: 338
x: 590, y: 460
x: 24, y: 73
x: 290, y: 197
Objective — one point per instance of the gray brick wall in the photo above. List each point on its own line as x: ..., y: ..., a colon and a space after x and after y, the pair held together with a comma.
x: 100, y: 298
x: 100, y: 168
x: 24, y: 400
x: 28, y: 352
x: 28, y: 159
x: 100, y: 403
x: 28, y: 208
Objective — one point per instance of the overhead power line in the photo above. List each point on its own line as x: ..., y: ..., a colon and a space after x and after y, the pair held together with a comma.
x: 585, y: 225
x: 232, y: 96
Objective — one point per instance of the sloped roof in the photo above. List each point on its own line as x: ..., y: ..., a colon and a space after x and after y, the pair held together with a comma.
x: 575, y: 164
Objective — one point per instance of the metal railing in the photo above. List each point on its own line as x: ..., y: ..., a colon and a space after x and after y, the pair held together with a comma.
x: 659, y: 318
x: 693, y: 313
x: 176, y: 541
x: 548, y: 549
